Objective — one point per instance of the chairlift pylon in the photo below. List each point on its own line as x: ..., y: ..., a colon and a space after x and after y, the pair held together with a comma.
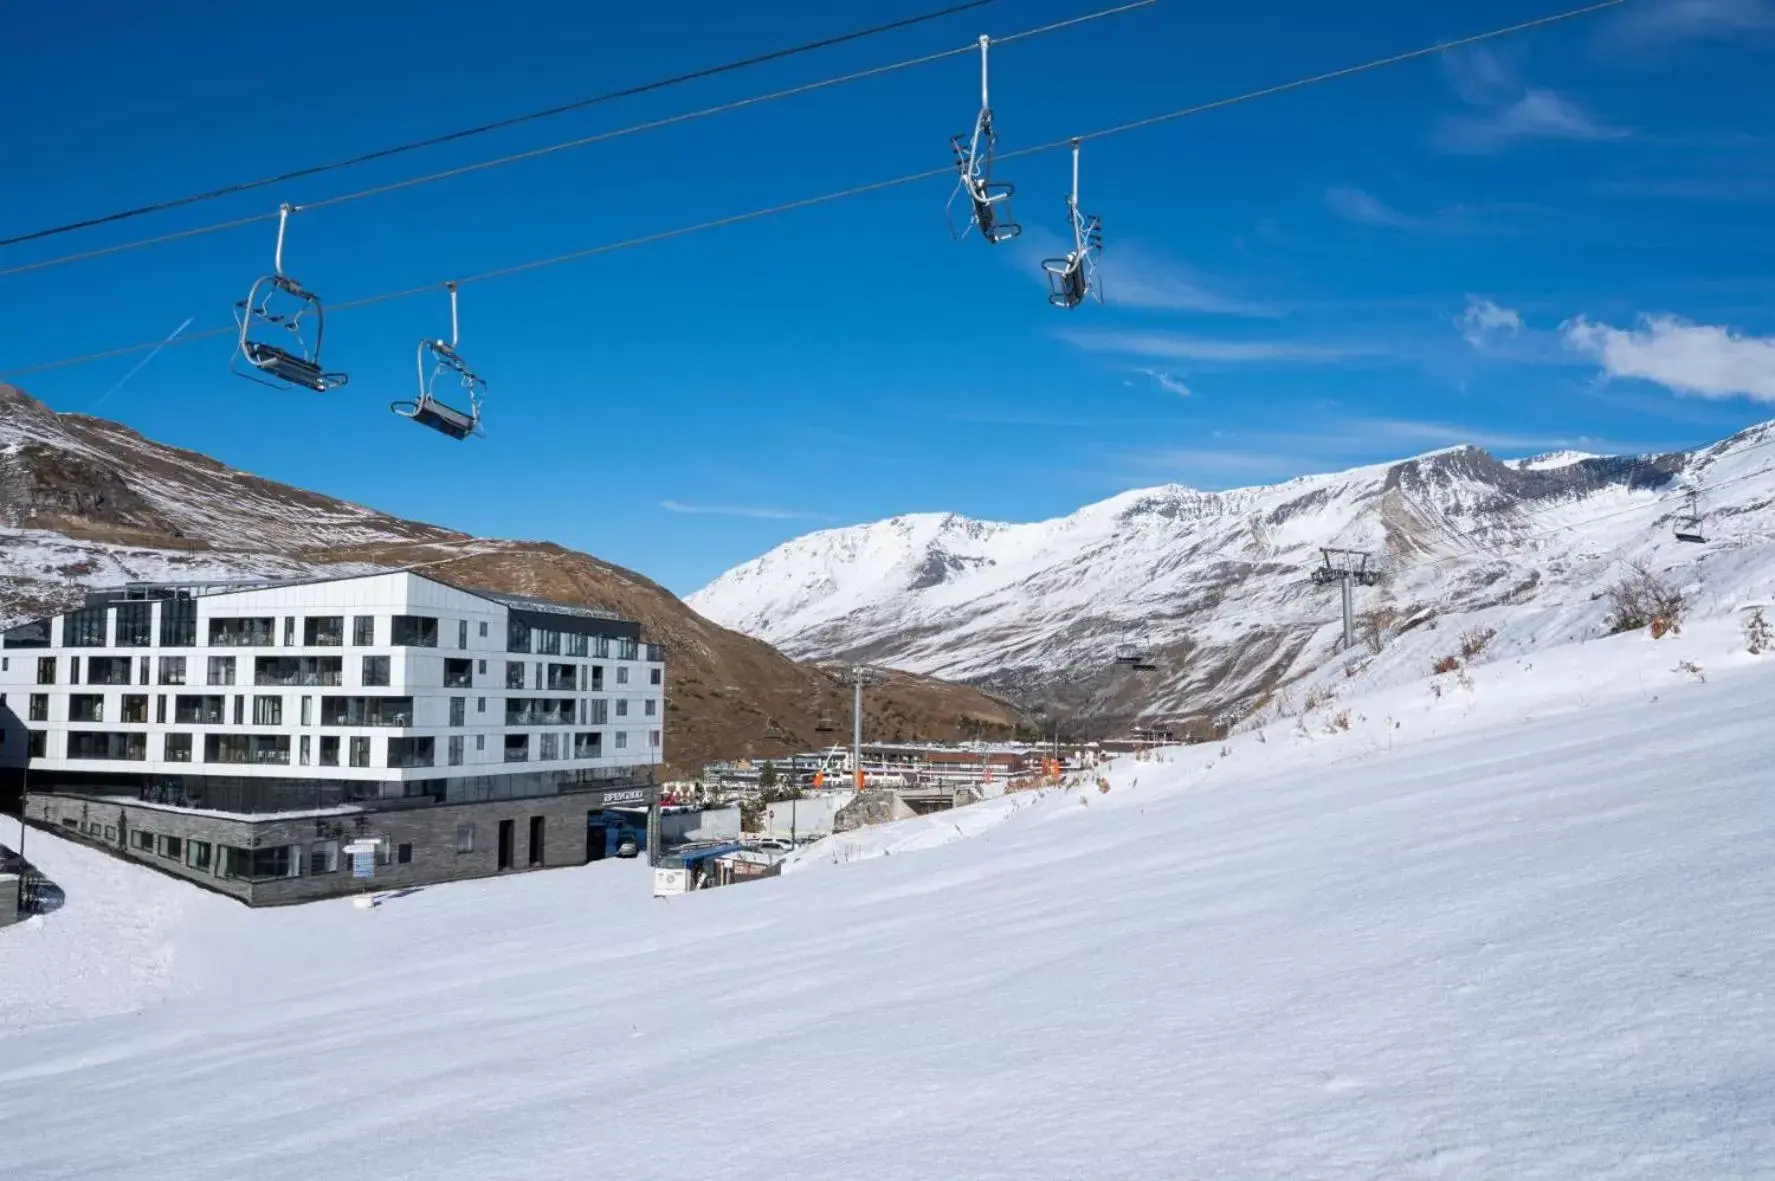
x: 276, y: 301
x: 437, y: 359
x: 1688, y: 526
x: 989, y: 201
x: 1074, y: 277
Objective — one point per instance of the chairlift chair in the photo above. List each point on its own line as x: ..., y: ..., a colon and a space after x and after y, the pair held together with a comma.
x: 436, y: 360
x: 826, y: 724
x: 1074, y: 277
x: 274, y: 320
x: 774, y: 732
x: 1688, y: 526
x: 989, y: 200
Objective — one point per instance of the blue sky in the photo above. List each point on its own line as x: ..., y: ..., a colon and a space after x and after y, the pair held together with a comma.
x: 1561, y: 240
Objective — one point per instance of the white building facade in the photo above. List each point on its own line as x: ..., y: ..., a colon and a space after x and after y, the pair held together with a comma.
x: 382, y: 692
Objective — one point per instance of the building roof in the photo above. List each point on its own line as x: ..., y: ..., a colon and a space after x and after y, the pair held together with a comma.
x: 222, y: 586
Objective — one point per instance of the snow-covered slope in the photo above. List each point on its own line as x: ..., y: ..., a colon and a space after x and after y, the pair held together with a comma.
x: 1215, y: 583
x: 1518, y: 929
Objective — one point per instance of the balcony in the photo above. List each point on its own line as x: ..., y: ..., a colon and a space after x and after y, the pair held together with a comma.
x: 520, y: 711
x: 366, y: 711
x: 298, y: 671
x: 108, y: 670
x: 411, y: 752
x: 459, y: 674
x: 243, y: 633
x: 562, y: 678
x: 256, y: 749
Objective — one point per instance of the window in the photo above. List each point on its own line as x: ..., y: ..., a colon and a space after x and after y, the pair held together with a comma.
x: 268, y: 710
x: 289, y: 631
x: 172, y: 670
x: 539, y: 674
x: 549, y: 748
x: 411, y: 752
x: 240, y: 709
x: 459, y: 711
x: 363, y: 630
x: 600, y: 712
x: 622, y: 739
x: 548, y: 643
x: 455, y: 750
x: 160, y: 709
x: 256, y: 749
x: 84, y: 629
x: 323, y: 631
x: 538, y: 711
x: 404, y: 854
x: 517, y: 636
x: 171, y: 848
x: 221, y: 670
x: 366, y: 711
x: 576, y: 644
x: 135, y: 625
x: 135, y: 709
x: 178, y: 623
x: 360, y: 751
x: 622, y: 707
x: 480, y: 705
x: 246, y: 632
x: 197, y: 855
x: 73, y: 670
x: 597, y: 678
x: 138, y: 839
x: 307, y: 711
x: 142, y: 675
x: 462, y: 633
x: 458, y: 673
x: 107, y: 670
x: 483, y: 629
x: 86, y: 707
x: 37, y: 746
x: 622, y: 675
x: 193, y: 710
x: 329, y: 750
x: 514, y: 674
x: 304, y: 752
x: 34, y: 634
x: 298, y: 670
x: 414, y: 631
x: 375, y: 670
x: 586, y: 745
x: 46, y: 670
x: 517, y: 748
x: 100, y: 744
x: 653, y: 676
x: 323, y: 857
x: 177, y: 748
x: 582, y: 678
x: 110, y: 832
x: 483, y: 667
x: 465, y: 838
x: 561, y: 678
x: 39, y: 707
x: 653, y: 739
x: 262, y: 865
x: 480, y: 742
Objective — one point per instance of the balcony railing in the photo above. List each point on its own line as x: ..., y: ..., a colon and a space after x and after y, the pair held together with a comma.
x: 540, y: 717
x: 517, y: 756
x: 298, y: 679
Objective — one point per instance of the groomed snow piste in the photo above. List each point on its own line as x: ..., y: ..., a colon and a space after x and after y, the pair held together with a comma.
x: 1517, y: 924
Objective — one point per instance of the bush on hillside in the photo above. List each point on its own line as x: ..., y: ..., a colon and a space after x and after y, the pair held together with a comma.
x: 1642, y: 599
x: 1474, y: 642
x: 1446, y: 665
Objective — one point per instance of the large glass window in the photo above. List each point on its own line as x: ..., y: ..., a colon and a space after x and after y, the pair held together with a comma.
x: 243, y: 632
x: 459, y: 711
x: 107, y: 670
x: 191, y: 709
x: 360, y: 752
x: 135, y: 625
x: 600, y: 711
x: 548, y: 643
x: 517, y: 636
x: 458, y: 673
x: 135, y: 709
x: 366, y: 711
x: 627, y: 649
x: 414, y: 631
x: 411, y: 752
x: 517, y: 748
x: 172, y: 670
x: 323, y: 857
x: 261, y: 865
x: 455, y: 750
x: 34, y: 634
x: 597, y: 678
x: 247, y: 748
x: 549, y: 747
x: 46, y: 670
x: 177, y: 748
x: 299, y: 670
x: 562, y: 678
x: 375, y: 670
x: 86, y: 707
x: 178, y: 623
x: 363, y: 630
x: 84, y: 628
x: 268, y: 710
x: 221, y: 670
x: 514, y: 674
x: 197, y: 855
x: 102, y: 744
x: 39, y: 707
x: 329, y: 750
x: 587, y: 746
x: 323, y: 631
x: 576, y: 644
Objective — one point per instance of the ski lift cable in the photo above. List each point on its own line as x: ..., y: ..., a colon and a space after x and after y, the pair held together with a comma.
x: 571, y: 144
x: 843, y: 194
x: 484, y: 128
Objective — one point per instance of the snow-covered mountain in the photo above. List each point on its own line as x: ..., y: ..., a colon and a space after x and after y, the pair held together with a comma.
x: 1215, y: 585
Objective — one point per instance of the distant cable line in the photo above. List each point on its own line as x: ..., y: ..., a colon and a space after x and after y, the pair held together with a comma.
x: 567, y: 145
x: 840, y: 194
x: 484, y: 128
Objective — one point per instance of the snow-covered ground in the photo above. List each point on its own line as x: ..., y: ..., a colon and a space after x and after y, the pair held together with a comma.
x: 1515, y: 924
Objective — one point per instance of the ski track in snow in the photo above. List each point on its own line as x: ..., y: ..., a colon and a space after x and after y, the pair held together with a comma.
x: 1517, y: 930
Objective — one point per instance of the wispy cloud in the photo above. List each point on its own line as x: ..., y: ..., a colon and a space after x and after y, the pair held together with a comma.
x: 1167, y: 382
x: 1179, y: 346
x: 1365, y: 209
x: 737, y: 510
x: 1484, y: 322
x: 1701, y: 359
x: 1136, y: 277
x: 1656, y: 25
x: 1505, y: 111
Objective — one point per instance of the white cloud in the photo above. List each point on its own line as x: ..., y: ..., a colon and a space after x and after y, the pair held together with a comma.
x: 1134, y: 277
x: 1167, y: 382
x: 1657, y: 24
x: 1365, y: 209
x: 1171, y: 345
x: 734, y: 510
x: 1484, y: 322
x: 1505, y: 111
x: 1701, y: 359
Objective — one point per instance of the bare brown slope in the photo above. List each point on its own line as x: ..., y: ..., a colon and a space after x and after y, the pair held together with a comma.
x: 91, y: 479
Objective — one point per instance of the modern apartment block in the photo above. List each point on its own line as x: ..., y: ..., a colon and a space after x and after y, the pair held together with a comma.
x: 245, y: 735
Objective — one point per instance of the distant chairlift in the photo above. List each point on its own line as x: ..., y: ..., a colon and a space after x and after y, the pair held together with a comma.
x: 439, y: 360
x: 1074, y: 277
x: 826, y: 723
x: 989, y: 200
x: 1135, y: 657
x: 774, y: 732
x: 275, y: 320
x: 1688, y: 526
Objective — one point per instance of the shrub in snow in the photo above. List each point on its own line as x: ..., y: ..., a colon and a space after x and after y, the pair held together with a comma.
x: 1446, y: 665
x: 1756, y: 633
x: 1690, y: 667
x: 1338, y: 722
x: 1474, y: 642
x: 1642, y: 599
